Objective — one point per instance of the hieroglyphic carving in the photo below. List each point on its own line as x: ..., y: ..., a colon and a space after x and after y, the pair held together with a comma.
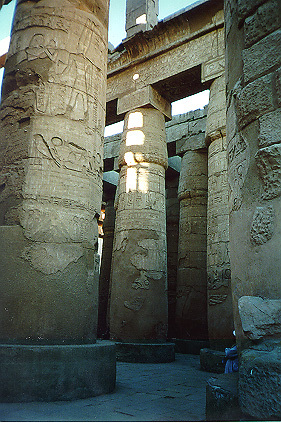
x: 135, y: 304
x: 149, y: 259
x: 139, y: 201
x: 217, y: 299
x: 262, y: 225
x: 69, y: 88
x: 141, y: 282
x: 218, y: 278
x: 65, y: 154
x: 268, y: 161
x: 50, y: 258
x: 238, y: 164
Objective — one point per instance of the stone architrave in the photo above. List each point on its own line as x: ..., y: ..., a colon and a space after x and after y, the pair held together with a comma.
x: 52, y: 123
x: 220, y: 314
x: 253, y: 76
x: 191, y: 296
x: 138, y: 303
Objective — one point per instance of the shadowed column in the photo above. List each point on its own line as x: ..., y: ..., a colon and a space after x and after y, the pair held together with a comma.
x: 191, y: 307
x: 104, y: 281
x: 220, y: 314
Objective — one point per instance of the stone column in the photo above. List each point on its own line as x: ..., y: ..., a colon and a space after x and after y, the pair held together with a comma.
x: 191, y: 308
x: 104, y: 281
x: 220, y: 314
x: 172, y: 222
x: 253, y: 81
x: 138, y: 305
x: 141, y: 15
x: 52, y: 122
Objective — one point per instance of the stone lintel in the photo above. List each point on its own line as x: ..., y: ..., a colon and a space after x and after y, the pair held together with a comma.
x: 144, y: 97
x: 191, y: 143
x: 212, y: 69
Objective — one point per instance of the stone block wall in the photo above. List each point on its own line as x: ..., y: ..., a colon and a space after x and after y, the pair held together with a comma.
x: 253, y: 60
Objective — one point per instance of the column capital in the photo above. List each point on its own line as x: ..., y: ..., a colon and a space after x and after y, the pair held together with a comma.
x: 144, y: 97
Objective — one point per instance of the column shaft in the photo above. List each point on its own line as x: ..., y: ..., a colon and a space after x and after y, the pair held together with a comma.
x: 220, y: 314
x: 138, y: 305
x: 52, y: 121
x: 172, y: 213
x: 191, y: 307
x: 105, y: 270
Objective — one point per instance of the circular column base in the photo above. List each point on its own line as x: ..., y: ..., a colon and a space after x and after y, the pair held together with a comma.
x: 56, y: 372
x: 145, y: 352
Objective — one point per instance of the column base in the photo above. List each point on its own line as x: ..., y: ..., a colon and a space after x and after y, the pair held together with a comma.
x: 212, y: 360
x: 56, y: 372
x: 145, y: 352
x: 222, y: 399
x: 190, y: 346
x: 259, y: 380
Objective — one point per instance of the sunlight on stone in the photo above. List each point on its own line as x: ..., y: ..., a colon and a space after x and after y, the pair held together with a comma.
x: 143, y: 180
x: 135, y: 120
x: 135, y: 137
x: 129, y: 158
x: 141, y: 19
x: 131, y: 179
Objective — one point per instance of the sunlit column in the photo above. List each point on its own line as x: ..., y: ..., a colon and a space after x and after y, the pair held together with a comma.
x: 138, y: 305
x: 191, y: 301
x: 52, y: 123
x: 220, y: 314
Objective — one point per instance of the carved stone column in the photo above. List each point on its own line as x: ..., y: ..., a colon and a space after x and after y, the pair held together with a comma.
x: 191, y: 307
x: 138, y: 305
x: 220, y: 314
x: 253, y: 81
x: 104, y: 281
x: 52, y: 122
x: 172, y: 221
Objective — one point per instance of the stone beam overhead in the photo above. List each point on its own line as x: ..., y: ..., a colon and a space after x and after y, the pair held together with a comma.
x: 141, y: 15
x: 178, y: 57
x: 146, y: 96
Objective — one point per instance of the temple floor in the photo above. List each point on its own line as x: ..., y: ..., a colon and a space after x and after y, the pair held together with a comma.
x: 144, y: 392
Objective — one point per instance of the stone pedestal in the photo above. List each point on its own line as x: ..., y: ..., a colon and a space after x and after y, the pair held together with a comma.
x: 138, y: 304
x: 222, y: 403
x: 220, y: 314
x: 52, y: 122
x: 56, y: 372
x: 254, y: 168
x: 191, y: 306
